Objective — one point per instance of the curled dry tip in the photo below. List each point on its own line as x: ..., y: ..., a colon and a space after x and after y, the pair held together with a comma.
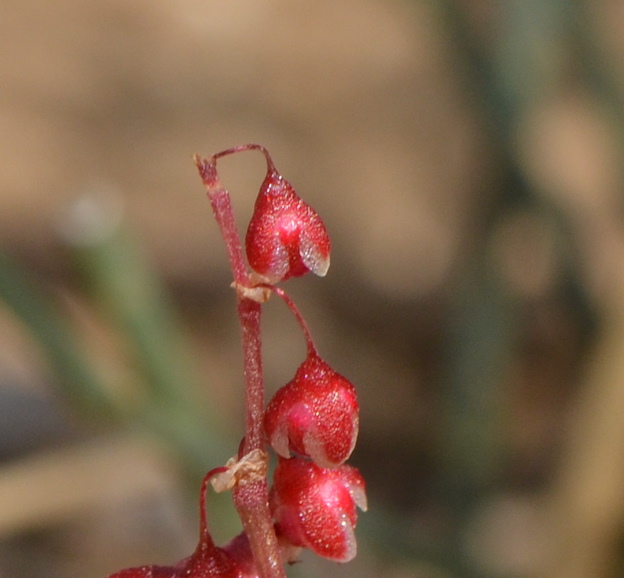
x: 199, y: 162
x: 207, y: 170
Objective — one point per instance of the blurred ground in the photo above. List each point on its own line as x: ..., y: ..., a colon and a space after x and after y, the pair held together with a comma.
x: 466, y: 158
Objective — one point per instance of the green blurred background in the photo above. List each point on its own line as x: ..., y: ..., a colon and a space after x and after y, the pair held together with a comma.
x: 467, y: 158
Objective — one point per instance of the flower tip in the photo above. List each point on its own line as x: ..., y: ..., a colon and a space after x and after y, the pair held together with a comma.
x: 348, y: 548
x: 359, y: 497
x: 357, y: 490
x: 280, y: 441
x: 314, y: 247
x: 315, y: 448
x: 319, y: 265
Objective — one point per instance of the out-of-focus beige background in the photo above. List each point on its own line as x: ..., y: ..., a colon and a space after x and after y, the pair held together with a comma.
x: 467, y: 160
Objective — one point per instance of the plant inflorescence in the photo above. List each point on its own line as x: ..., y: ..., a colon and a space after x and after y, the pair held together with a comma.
x: 311, y: 423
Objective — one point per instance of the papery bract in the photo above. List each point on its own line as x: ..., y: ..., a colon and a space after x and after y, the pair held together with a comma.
x: 315, y: 507
x: 316, y: 415
x: 286, y: 237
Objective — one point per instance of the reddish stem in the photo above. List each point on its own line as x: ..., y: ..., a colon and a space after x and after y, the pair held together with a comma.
x: 249, y: 313
x: 251, y: 499
x: 295, y: 311
x: 205, y: 539
x: 252, y: 504
x: 247, y: 147
x: 224, y: 215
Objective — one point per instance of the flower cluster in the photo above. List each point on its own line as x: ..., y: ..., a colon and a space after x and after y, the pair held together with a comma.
x: 311, y: 422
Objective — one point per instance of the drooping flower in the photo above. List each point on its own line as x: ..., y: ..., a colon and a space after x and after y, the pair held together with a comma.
x: 315, y: 507
x: 314, y: 415
x: 286, y: 237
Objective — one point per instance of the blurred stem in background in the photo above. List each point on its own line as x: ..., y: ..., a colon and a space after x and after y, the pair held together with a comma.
x: 164, y: 396
x: 132, y: 298
x: 81, y: 384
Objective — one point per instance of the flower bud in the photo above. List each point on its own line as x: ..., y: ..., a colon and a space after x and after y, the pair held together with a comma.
x: 315, y: 507
x: 315, y: 415
x: 286, y: 237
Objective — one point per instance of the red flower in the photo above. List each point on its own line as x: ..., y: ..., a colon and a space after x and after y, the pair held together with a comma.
x: 286, y: 237
x: 315, y: 507
x: 314, y: 415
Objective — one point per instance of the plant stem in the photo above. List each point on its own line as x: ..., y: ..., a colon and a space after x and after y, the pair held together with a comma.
x: 295, y: 311
x: 252, y: 504
x: 248, y: 147
x: 224, y: 215
x: 251, y: 499
x: 249, y: 313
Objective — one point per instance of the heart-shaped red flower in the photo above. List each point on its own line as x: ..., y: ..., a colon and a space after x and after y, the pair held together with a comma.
x: 286, y: 237
x: 315, y: 507
x: 314, y: 415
